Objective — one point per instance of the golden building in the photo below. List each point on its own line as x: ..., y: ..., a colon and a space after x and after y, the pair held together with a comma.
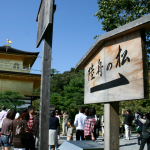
x: 15, y: 66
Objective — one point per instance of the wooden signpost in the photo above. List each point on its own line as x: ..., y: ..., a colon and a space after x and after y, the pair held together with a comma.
x: 116, y: 70
x: 45, y: 31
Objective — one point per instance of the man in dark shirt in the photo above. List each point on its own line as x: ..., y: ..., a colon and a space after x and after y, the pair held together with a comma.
x: 53, y: 128
x: 128, y: 123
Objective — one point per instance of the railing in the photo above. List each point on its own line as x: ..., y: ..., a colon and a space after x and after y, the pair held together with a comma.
x: 14, y: 67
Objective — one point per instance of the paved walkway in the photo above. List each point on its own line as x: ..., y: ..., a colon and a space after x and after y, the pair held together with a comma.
x: 124, y: 144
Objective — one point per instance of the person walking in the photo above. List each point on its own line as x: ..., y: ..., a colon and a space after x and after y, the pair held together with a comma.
x: 64, y: 124
x: 90, y: 125
x: 6, y: 130
x: 58, y: 116
x: 139, y: 127
x: 146, y: 131
x: 53, y: 129
x: 79, y: 123
x: 70, y: 130
x: 20, y: 142
x: 128, y: 123
x: 30, y: 123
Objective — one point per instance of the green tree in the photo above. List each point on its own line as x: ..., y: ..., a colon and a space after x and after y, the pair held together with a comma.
x: 58, y: 80
x: 74, y: 94
x: 10, y: 99
x: 67, y: 90
x: 115, y: 13
x: 36, y: 104
x: 56, y: 99
x: 37, y: 91
x: 136, y: 105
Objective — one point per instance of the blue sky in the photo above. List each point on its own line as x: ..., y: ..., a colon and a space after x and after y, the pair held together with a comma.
x: 73, y: 34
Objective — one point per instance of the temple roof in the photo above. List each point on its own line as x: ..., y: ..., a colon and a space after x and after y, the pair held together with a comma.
x: 30, y: 57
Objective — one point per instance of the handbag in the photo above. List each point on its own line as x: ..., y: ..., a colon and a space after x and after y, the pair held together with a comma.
x: 20, y: 132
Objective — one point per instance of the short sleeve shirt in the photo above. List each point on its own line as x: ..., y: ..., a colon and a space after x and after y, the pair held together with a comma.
x: 89, y: 125
x: 53, y: 122
x: 70, y: 132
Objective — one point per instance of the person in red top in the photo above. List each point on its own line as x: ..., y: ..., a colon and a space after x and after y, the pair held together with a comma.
x: 89, y: 125
x: 30, y: 123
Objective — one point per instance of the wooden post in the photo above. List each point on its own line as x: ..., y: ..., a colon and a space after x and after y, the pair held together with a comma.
x: 45, y: 91
x: 45, y: 31
x: 145, y: 64
x: 111, y: 126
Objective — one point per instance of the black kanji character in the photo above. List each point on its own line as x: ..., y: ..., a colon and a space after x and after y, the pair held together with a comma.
x: 109, y: 66
x: 99, y: 68
x: 124, y: 57
x: 91, y: 72
x: 118, y: 57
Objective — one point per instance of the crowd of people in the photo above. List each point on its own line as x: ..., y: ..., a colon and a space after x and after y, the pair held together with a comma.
x: 18, y: 128
x: 142, y: 122
x: 86, y: 121
x: 22, y: 129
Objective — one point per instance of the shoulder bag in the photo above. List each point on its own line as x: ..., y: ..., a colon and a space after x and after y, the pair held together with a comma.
x: 20, y: 131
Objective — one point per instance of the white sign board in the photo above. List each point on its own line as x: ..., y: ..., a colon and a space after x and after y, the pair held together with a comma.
x: 115, y: 71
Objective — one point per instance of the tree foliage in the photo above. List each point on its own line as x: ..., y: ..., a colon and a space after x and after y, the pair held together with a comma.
x: 67, y: 91
x: 136, y: 105
x: 36, y: 104
x: 115, y: 13
x: 10, y: 99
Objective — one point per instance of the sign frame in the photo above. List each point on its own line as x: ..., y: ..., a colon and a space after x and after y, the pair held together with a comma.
x: 115, y: 71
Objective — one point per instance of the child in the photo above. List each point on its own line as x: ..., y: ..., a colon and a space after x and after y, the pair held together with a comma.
x: 70, y: 130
